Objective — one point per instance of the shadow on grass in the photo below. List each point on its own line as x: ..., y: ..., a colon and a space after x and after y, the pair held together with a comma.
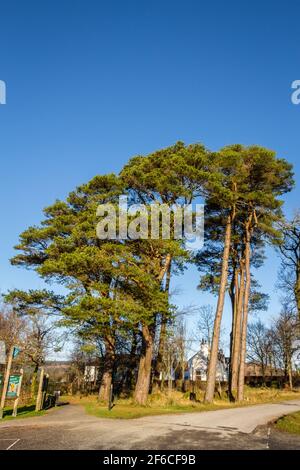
x: 23, y: 412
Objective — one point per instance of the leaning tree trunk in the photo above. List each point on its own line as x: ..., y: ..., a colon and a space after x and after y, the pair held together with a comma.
x: 241, y: 380
x: 233, y: 293
x: 211, y: 378
x: 144, y: 374
x: 236, y: 347
x: 106, y: 380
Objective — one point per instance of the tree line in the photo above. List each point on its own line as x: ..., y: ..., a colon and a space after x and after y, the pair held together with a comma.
x: 116, y: 292
x: 275, y: 349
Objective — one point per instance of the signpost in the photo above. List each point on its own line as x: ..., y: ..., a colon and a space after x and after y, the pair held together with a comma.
x: 20, y: 377
x: 12, y: 383
x: 40, y: 391
x: 6, y: 380
x: 43, y: 386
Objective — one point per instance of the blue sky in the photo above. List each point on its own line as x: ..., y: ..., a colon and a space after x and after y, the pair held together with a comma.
x: 90, y: 84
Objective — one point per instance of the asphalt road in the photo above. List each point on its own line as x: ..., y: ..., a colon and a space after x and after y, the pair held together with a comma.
x: 69, y: 427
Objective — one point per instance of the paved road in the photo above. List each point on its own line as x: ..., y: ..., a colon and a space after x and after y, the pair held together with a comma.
x: 69, y: 427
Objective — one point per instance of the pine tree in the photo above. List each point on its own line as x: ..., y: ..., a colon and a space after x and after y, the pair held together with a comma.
x: 252, y: 179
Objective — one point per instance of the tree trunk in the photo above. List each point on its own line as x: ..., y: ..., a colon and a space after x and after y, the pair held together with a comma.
x: 163, y: 330
x: 165, y: 267
x: 290, y: 373
x: 236, y: 347
x: 143, y: 381
x: 233, y: 293
x: 211, y: 378
x: 106, y: 380
x: 145, y: 366
x: 263, y: 373
x: 241, y: 380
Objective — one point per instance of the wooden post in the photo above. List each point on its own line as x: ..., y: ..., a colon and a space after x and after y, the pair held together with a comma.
x: 15, y: 410
x: 44, y: 392
x: 6, y: 380
x: 40, y: 391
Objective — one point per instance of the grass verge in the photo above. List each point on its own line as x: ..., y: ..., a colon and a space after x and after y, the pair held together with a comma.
x: 289, y: 423
x: 26, y: 411
x: 176, y: 402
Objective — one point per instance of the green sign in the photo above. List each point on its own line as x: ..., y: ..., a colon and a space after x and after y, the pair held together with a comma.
x: 13, y: 386
x: 1, y: 379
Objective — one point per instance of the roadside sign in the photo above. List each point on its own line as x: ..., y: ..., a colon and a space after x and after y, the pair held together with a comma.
x: 16, y: 352
x: 16, y: 402
x: 13, y: 386
x: 6, y: 381
x: 2, y: 353
x: 1, y: 379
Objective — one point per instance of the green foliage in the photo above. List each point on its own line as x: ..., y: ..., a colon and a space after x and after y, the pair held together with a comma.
x: 112, y: 287
x: 248, y: 181
x: 172, y: 175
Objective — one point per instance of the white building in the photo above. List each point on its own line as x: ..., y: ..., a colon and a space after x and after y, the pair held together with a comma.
x: 197, y: 365
x: 90, y: 373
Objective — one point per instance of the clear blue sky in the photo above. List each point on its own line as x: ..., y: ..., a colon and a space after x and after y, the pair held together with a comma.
x: 90, y: 84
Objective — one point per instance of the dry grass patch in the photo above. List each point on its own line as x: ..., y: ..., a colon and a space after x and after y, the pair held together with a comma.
x: 176, y: 402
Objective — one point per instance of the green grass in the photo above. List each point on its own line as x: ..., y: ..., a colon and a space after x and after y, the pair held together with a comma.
x: 289, y: 423
x: 26, y: 411
x: 132, y: 411
x: 176, y: 402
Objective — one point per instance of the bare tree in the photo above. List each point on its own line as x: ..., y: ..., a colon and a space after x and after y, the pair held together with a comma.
x: 289, y: 274
x: 12, y: 328
x: 174, y: 358
x: 35, y: 334
x: 259, y: 346
x: 205, y: 324
x: 285, y: 337
x: 41, y: 339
